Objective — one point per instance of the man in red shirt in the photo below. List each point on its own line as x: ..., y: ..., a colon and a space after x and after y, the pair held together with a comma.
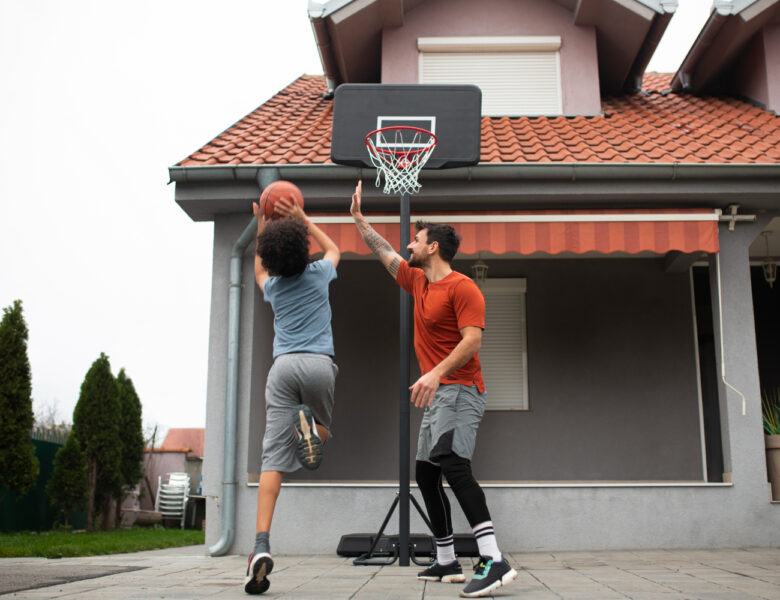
x: 449, y: 316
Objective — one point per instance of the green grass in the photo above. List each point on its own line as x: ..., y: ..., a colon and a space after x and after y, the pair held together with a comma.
x: 57, y: 544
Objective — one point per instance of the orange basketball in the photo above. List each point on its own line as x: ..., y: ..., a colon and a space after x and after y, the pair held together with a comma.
x: 275, y: 192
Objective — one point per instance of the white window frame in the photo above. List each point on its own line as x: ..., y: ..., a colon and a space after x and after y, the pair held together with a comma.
x: 504, y: 352
x: 509, y: 50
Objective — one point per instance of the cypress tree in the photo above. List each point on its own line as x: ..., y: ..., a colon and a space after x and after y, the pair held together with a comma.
x: 131, y: 430
x: 18, y: 463
x: 96, y: 426
x: 68, y: 487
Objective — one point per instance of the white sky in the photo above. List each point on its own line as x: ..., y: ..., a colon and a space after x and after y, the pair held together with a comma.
x: 98, y: 99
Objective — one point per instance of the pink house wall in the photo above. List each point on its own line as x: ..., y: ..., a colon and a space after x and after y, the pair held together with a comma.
x: 756, y: 73
x: 160, y: 464
x: 750, y: 71
x: 578, y: 55
x: 772, y: 49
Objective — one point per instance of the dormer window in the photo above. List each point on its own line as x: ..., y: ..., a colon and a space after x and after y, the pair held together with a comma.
x: 518, y: 75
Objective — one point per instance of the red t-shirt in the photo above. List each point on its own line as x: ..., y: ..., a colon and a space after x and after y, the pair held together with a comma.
x: 441, y: 310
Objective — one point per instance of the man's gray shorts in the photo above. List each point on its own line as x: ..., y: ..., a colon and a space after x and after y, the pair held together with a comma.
x: 450, y: 423
x: 298, y: 378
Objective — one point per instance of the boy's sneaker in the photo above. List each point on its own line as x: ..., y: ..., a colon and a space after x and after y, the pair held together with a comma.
x: 449, y: 573
x: 309, y: 449
x: 489, y: 576
x: 257, y: 568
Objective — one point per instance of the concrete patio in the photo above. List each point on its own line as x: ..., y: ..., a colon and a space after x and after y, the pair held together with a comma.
x: 738, y: 574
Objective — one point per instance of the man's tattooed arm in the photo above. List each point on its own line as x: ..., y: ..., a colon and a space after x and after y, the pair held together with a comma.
x: 379, y: 246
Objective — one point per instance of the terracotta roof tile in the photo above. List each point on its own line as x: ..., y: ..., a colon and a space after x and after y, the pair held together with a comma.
x: 185, y: 439
x: 654, y: 125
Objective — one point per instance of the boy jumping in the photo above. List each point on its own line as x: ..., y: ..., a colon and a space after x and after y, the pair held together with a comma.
x: 300, y: 385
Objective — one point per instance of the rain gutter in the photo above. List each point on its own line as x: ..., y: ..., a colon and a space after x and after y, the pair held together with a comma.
x: 231, y: 394
x: 486, y: 171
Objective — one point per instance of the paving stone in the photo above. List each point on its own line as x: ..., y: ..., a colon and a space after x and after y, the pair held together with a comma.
x: 741, y: 574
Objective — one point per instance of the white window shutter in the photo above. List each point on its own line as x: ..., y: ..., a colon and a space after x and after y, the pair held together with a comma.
x: 504, y: 352
x: 513, y: 83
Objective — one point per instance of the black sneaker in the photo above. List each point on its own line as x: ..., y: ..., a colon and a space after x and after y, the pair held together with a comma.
x: 489, y: 576
x: 257, y: 568
x: 449, y: 573
x: 309, y: 449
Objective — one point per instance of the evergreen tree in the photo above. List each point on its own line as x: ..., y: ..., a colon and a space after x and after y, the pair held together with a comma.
x: 131, y: 430
x: 96, y: 426
x: 68, y: 487
x: 18, y: 463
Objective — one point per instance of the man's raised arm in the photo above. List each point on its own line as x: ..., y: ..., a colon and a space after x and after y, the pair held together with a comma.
x: 375, y: 242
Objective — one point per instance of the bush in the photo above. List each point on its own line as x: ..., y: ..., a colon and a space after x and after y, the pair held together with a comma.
x: 68, y: 487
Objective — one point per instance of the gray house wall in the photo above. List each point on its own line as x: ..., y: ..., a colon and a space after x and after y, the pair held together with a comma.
x: 608, y: 400
x: 535, y: 515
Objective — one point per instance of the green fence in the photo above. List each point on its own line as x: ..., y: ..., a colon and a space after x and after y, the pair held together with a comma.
x: 32, y: 512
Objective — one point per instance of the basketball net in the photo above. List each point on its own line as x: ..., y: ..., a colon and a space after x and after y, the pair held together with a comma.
x: 398, y: 154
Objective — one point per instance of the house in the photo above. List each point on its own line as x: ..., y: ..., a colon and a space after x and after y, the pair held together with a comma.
x: 619, y: 213
x: 181, y: 451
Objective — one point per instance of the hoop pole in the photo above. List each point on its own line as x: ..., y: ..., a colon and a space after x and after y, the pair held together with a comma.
x: 403, y: 400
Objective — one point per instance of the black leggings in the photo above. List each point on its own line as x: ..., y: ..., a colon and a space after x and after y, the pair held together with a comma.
x: 470, y: 496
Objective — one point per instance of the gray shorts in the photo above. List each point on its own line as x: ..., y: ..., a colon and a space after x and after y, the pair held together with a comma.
x: 299, y: 378
x: 450, y: 423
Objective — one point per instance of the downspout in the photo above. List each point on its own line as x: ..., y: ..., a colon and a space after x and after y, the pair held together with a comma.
x: 264, y: 177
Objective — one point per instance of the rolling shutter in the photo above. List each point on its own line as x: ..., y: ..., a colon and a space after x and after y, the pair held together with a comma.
x: 518, y: 75
x: 504, y: 353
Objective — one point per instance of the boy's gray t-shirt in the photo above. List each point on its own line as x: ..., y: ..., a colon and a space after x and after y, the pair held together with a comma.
x: 302, y: 309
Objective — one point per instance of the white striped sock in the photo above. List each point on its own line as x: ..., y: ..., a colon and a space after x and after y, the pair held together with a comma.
x: 445, y: 550
x: 486, y: 541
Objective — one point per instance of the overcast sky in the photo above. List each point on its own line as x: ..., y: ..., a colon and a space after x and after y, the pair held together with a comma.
x: 98, y: 99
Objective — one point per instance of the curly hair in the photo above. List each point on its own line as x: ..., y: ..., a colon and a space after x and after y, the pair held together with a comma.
x: 283, y: 247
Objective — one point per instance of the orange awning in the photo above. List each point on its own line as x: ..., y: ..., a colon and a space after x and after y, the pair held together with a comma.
x: 552, y: 231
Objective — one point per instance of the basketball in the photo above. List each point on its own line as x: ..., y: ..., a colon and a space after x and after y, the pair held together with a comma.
x: 275, y: 192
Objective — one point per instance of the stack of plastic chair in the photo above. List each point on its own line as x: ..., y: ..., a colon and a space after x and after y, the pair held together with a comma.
x: 172, y: 497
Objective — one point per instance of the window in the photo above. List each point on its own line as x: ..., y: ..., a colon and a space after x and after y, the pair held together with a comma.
x: 504, y: 352
x: 518, y: 75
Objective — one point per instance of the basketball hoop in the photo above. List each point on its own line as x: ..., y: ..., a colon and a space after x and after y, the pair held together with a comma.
x: 399, y: 153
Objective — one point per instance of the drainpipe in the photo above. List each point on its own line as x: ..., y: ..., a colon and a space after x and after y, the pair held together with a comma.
x: 264, y: 177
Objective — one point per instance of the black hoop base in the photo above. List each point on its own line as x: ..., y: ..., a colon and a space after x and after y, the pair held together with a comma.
x: 368, y: 559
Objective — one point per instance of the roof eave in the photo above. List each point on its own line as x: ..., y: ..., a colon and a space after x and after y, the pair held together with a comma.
x: 574, y: 170
x: 633, y: 82
x: 682, y: 78
x: 206, y: 192
x: 736, y: 19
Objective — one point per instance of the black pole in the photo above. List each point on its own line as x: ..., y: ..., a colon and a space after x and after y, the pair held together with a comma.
x: 403, y: 438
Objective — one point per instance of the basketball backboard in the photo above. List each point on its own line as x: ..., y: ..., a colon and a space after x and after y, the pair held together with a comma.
x: 452, y: 113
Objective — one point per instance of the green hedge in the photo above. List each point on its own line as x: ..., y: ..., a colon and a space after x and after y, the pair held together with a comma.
x: 32, y: 512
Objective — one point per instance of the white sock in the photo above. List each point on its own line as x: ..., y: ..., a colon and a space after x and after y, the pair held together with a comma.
x: 445, y: 550
x: 486, y: 541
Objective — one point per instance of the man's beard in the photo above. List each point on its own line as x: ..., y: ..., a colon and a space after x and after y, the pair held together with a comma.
x: 413, y: 261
